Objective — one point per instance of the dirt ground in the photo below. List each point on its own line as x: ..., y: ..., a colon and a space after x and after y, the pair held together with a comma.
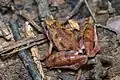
x: 13, y: 68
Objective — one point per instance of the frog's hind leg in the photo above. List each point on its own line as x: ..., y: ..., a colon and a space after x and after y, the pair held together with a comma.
x: 97, y: 46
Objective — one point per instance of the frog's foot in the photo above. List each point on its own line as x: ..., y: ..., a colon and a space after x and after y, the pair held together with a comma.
x: 97, y: 67
x: 100, y: 65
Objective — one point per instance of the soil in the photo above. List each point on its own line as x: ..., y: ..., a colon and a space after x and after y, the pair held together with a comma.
x: 13, y: 68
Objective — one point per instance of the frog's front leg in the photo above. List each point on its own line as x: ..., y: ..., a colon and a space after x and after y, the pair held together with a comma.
x: 66, y: 59
x: 50, y: 42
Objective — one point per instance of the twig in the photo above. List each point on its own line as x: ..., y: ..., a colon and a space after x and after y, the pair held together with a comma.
x: 10, y: 54
x: 27, y: 17
x: 43, y: 9
x: 92, y: 14
x: 44, y: 13
x: 75, y: 10
x: 103, y: 26
x: 24, y: 56
x: 20, y: 43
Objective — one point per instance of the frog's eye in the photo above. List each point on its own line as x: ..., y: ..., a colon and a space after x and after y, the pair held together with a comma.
x: 49, y: 22
x: 74, y: 24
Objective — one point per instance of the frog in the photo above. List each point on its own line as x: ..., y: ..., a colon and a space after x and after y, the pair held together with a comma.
x: 71, y: 53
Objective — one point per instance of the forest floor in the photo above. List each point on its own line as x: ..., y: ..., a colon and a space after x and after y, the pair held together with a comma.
x: 13, y: 68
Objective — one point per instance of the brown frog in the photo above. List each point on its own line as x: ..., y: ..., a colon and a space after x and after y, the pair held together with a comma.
x: 70, y: 51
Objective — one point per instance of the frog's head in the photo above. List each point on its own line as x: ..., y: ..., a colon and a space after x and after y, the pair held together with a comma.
x: 50, y: 22
x: 53, y: 23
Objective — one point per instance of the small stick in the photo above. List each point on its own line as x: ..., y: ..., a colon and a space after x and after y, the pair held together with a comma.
x: 10, y: 54
x: 27, y: 17
x: 18, y: 44
x: 75, y: 10
x: 43, y: 9
x: 44, y: 13
x: 24, y: 56
x: 86, y: 3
